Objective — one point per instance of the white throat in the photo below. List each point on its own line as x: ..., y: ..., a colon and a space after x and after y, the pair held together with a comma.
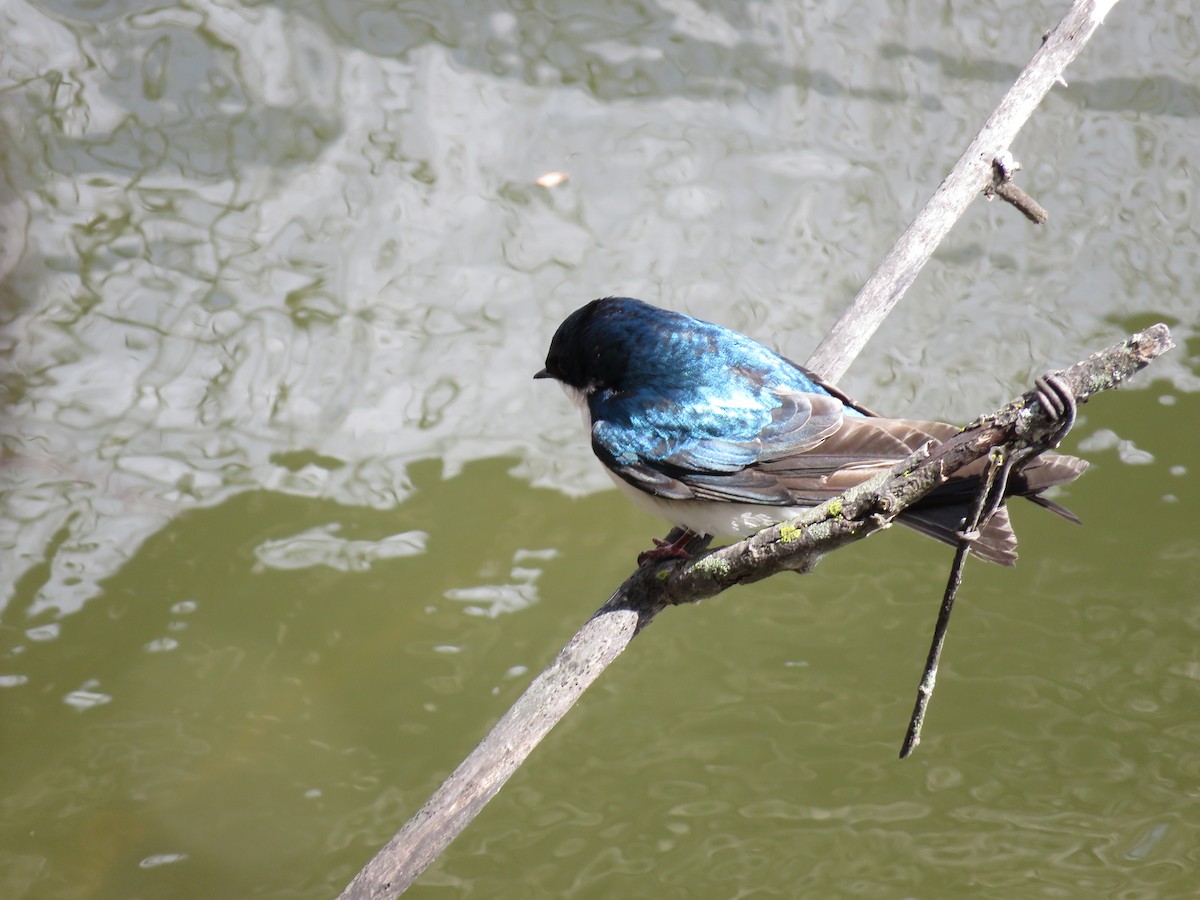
x: 579, y: 397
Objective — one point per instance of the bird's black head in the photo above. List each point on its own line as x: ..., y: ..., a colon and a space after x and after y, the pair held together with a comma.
x: 592, y: 346
x: 566, y: 358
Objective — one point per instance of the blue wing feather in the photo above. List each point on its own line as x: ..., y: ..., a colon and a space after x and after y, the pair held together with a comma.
x: 741, y: 406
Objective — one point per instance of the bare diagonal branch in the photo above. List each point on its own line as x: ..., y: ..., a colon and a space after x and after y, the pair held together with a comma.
x: 970, y: 175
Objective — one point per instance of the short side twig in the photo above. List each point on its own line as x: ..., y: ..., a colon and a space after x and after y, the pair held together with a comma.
x: 1003, y: 186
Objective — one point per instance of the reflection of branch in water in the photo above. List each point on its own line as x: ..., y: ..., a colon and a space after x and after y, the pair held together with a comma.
x: 1170, y: 96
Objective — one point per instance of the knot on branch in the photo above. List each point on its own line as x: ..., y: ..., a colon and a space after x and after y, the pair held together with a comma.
x: 1003, y: 186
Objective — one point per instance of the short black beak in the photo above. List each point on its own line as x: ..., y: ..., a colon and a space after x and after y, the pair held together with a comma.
x: 543, y: 374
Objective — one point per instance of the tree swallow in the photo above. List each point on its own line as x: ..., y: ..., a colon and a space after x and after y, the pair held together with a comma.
x: 719, y: 435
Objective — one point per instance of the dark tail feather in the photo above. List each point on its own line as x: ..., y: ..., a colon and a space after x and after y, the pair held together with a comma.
x: 1044, y: 472
x: 996, y: 543
x: 1054, y: 508
x: 941, y: 515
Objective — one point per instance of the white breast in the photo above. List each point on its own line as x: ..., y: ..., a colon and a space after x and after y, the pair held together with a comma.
x: 709, y: 516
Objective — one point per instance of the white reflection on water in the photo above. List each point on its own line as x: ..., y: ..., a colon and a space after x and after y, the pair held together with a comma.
x: 323, y: 547
x: 87, y: 697
x: 1127, y: 451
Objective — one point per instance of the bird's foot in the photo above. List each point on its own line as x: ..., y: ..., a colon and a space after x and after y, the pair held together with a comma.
x: 1058, y: 402
x: 664, y: 549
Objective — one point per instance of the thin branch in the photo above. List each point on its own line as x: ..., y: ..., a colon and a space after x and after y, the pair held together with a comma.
x: 970, y: 175
x: 1056, y: 400
x: 976, y: 519
x: 796, y: 545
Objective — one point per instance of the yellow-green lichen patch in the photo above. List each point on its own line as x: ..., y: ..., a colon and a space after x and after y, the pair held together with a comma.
x: 835, y: 508
x: 788, y: 533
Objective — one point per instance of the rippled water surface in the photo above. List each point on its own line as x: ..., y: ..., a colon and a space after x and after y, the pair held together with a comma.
x: 285, y: 526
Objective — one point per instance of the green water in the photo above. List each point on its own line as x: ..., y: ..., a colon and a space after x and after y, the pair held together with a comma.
x: 285, y: 526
